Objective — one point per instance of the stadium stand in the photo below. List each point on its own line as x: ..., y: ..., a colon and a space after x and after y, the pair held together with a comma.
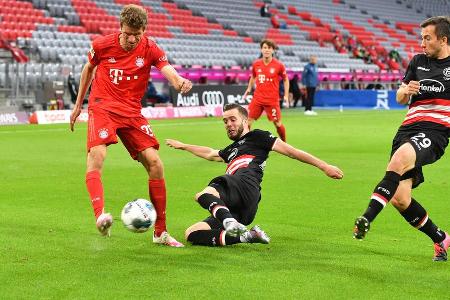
x: 214, y: 39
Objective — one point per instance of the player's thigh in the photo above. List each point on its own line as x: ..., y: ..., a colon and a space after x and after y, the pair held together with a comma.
x: 255, y: 110
x: 422, y: 148
x: 102, y: 128
x: 208, y: 190
x: 403, y: 159
x: 273, y: 112
x: 137, y: 135
x: 196, y: 227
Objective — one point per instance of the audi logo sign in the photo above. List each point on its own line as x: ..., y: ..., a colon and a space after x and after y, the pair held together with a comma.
x: 213, y: 98
x: 210, y: 95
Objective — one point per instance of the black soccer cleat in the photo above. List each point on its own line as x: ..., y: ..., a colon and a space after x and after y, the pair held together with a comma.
x: 362, y: 226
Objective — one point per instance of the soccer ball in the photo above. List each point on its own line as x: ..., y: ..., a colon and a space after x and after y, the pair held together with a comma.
x: 138, y: 215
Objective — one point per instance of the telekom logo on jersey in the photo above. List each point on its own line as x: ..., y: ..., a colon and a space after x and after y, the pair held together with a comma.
x: 116, y: 76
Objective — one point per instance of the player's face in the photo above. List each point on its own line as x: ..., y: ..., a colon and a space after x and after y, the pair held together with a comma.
x: 266, y: 51
x: 234, y: 124
x: 130, y: 37
x: 431, y: 45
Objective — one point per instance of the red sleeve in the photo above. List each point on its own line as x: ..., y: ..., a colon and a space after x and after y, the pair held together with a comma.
x: 93, y: 54
x: 159, y: 58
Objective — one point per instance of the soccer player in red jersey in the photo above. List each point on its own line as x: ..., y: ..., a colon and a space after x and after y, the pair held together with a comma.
x: 119, y: 69
x: 266, y: 73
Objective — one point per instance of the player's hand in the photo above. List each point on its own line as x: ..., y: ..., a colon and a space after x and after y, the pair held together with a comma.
x: 286, y: 102
x: 73, y: 116
x: 413, y: 87
x: 185, y: 86
x: 333, y: 172
x: 175, y: 144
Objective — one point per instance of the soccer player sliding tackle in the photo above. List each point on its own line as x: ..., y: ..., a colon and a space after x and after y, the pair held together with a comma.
x: 232, y: 199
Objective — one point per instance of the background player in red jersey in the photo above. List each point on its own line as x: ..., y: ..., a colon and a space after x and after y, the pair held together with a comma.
x: 266, y: 73
x: 119, y: 69
x: 422, y: 137
x: 233, y: 198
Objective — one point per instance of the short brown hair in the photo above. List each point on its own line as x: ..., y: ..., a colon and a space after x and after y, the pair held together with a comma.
x: 441, y: 24
x: 242, y: 111
x: 269, y: 43
x: 133, y: 16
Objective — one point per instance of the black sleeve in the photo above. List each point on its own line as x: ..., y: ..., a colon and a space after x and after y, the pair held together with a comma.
x: 264, y: 139
x: 223, y: 154
x: 410, y: 73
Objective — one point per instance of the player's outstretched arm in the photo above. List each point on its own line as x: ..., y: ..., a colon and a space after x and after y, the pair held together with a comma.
x: 181, y: 84
x: 200, y: 151
x: 87, y: 74
x: 286, y: 149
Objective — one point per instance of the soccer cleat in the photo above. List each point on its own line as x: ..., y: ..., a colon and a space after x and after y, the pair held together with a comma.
x: 167, y: 240
x: 104, y: 223
x: 440, y: 249
x: 310, y: 113
x: 256, y: 235
x: 234, y: 228
x: 362, y: 226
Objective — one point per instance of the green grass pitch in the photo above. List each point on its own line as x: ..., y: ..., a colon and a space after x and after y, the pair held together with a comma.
x: 50, y: 248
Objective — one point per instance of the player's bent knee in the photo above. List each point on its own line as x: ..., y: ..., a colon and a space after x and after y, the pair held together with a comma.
x: 187, y: 233
x: 198, y: 195
x: 400, y: 204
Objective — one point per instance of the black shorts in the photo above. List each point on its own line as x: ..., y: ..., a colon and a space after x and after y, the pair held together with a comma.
x: 429, y: 145
x: 240, y: 194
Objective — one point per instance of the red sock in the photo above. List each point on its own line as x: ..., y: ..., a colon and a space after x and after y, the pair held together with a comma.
x: 282, y: 133
x: 95, y: 189
x: 157, y: 192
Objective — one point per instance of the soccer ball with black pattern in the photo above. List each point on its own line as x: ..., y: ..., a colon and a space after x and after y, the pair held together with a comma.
x: 138, y: 215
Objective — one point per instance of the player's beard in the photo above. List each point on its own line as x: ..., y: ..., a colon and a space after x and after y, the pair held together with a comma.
x: 238, y: 133
x: 433, y: 52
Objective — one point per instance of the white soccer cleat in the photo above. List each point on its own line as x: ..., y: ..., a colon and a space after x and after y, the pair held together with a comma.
x: 310, y: 113
x: 256, y: 235
x: 234, y: 228
x: 167, y: 240
x: 104, y: 223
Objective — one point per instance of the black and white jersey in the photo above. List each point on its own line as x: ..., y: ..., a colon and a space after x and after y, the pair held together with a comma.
x: 432, y: 103
x: 247, y: 156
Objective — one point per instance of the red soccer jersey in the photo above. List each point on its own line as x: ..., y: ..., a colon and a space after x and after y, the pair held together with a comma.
x: 267, y: 79
x: 122, y: 76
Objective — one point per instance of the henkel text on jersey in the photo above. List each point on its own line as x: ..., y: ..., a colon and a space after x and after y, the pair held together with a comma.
x: 247, y: 156
x: 121, y: 77
x: 432, y: 103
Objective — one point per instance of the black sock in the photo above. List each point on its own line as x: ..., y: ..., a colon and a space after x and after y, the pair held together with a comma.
x: 213, y: 237
x: 417, y: 217
x: 382, y: 194
x: 215, y: 206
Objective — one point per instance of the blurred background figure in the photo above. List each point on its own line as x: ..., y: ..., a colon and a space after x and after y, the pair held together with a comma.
x: 310, y: 79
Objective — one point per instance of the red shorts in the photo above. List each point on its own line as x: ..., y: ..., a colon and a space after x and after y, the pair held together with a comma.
x: 134, y: 132
x: 273, y: 111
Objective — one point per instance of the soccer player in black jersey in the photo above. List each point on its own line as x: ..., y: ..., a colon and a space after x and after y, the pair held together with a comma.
x: 232, y: 199
x: 422, y: 137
